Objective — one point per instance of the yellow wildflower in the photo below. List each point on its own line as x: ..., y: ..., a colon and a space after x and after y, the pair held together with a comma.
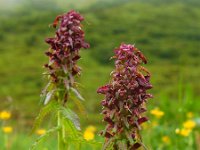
x: 7, y: 129
x: 41, y: 131
x: 88, y: 135
x: 91, y: 128
x: 157, y: 113
x: 166, y: 139
x: 187, y: 128
x: 190, y: 115
x: 5, y: 115
x: 185, y: 132
x: 190, y: 124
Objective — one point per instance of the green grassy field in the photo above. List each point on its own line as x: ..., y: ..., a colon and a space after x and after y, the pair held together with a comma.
x: 167, y: 32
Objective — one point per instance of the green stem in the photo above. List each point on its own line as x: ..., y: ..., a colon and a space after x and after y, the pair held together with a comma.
x: 60, y: 132
x: 62, y: 145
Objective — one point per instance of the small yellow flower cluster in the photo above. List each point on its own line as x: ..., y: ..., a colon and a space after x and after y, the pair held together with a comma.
x: 7, y: 129
x: 40, y: 131
x: 188, y: 126
x: 89, y: 133
x: 183, y: 132
x: 5, y: 115
x: 157, y: 112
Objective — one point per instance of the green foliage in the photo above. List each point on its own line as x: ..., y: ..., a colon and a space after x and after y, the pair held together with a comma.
x: 70, y: 115
x: 70, y: 124
x: 163, y: 24
x: 166, y: 31
x: 168, y: 39
x: 51, y: 107
x: 42, y: 137
x: 78, y: 104
x: 77, y: 94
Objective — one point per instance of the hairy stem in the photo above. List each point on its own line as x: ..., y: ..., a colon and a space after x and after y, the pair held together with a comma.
x: 61, y: 143
x: 59, y: 132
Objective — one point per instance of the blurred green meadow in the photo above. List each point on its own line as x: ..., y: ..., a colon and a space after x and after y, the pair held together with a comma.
x: 167, y: 32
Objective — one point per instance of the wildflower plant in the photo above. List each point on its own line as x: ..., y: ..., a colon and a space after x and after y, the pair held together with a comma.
x: 125, y: 99
x: 62, y: 69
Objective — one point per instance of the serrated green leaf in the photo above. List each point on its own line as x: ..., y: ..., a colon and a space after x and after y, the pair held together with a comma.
x: 49, y: 87
x: 42, y: 99
x: 77, y: 93
x: 52, y: 106
x: 72, y: 116
x: 71, y: 129
x: 35, y: 144
x: 49, y: 96
x: 79, y: 105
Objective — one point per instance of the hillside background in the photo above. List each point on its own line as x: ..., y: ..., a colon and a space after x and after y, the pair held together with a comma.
x: 167, y: 32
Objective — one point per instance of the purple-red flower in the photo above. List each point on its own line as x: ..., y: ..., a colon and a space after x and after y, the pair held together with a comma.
x: 125, y: 97
x: 64, y: 53
x: 65, y: 46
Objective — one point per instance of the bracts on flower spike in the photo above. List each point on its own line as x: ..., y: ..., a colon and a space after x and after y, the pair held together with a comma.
x: 64, y: 51
x: 125, y: 99
x: 62, y: 68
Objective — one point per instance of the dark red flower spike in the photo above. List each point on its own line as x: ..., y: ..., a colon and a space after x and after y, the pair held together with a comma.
x: 125, y: 97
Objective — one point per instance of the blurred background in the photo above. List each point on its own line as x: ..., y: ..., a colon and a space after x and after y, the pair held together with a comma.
x: 167, y: 32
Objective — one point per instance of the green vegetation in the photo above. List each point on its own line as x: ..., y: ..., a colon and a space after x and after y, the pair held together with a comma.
x: 167, y: 32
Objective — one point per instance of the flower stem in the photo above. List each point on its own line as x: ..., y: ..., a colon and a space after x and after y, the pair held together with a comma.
x: 60, y: 132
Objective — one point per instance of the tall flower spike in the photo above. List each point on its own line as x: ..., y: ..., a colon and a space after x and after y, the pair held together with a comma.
x: 125, y: 98
x: 64, y: 50
x: 61, y: 70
